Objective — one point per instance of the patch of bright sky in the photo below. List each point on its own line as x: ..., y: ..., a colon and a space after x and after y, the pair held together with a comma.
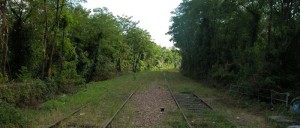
x: 153, y: 15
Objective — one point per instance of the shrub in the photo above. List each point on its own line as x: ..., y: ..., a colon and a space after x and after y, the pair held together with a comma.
x: 25, y: 75
x: 27, y: 94
x: 11, y: 116
x: 3, y: 79
x: 222, y: 75
x: 67, y: 79
x: 9, y: 94
x: 69, y: 75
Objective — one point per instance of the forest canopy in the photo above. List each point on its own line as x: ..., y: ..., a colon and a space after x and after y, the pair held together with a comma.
x: 49, y: 47
x: 252, y: 43
x: 60, y: 39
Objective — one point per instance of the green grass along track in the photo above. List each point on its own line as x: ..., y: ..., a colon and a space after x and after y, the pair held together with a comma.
x: 106, y: 97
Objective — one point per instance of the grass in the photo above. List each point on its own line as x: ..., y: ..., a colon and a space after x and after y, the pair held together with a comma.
x: 228, y: 111
x: 172, y: 117
x: 106, y: 97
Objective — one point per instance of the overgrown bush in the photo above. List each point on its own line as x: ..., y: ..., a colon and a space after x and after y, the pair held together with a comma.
x: 27, y: 94
x: 30, y: 93
x: 3, y: 79
x: 223, y: 75
x: 11, y: 117
x: 9, y: 94
x: 25, y: 75
x: 67, y: 79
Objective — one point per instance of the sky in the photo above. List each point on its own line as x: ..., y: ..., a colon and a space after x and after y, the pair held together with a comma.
x: 153, y: 15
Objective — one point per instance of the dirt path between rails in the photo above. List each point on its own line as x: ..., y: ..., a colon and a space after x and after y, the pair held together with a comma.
x: 149, y: 103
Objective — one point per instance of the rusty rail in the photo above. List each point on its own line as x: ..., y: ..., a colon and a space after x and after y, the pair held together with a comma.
x: 108, y: 123
x: 177, y: 104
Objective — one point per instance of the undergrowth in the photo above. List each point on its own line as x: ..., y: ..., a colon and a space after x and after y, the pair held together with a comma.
x: 11, y: 116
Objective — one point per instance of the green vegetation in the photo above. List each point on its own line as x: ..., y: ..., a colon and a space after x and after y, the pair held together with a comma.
x: 54, y: 47
x: 103, y: 101
x: 253, y: 43
x: 170, y: 118
x: 11, y: 116
x: 101, y: 98
x: 51, y: 48
x: 228, y: 112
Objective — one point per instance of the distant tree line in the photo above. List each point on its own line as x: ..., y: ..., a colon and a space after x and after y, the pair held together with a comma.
x: 253, y: 43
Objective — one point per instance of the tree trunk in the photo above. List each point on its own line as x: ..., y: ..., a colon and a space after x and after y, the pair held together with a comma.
x: 119, y: 65
x: 254, y: 31
x: 62, y: 56
x: 4, y: 37
x: 49, y: 69
x: 134, y: 63
x: 270, y: 22
x: 58, y: 10
x: 45, y: 38
x: 96, y: 57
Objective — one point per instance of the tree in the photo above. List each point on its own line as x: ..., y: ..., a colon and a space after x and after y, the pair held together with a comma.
x: 252, y: 42
x: 60, y: 41
x: 20, y: 35
x: 60, y: 4
x: 4, y: 35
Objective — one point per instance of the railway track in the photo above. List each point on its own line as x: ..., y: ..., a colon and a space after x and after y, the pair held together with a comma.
x: 189, y: 102
x: 186, y: 102
x: 58, y: 123
x: 72, y: 125
x: 109, y: 122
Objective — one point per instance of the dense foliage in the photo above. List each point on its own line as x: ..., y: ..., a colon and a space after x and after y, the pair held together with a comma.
x: 65, y: 45
x: 250, y: 42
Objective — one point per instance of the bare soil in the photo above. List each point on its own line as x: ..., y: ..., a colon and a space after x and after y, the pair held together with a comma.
x: 148, y: 106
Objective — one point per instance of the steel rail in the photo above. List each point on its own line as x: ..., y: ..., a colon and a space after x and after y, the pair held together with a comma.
x: 207, y: 105
x: 57, y: 123
x: 108, y: 123
x: 177, y: 104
